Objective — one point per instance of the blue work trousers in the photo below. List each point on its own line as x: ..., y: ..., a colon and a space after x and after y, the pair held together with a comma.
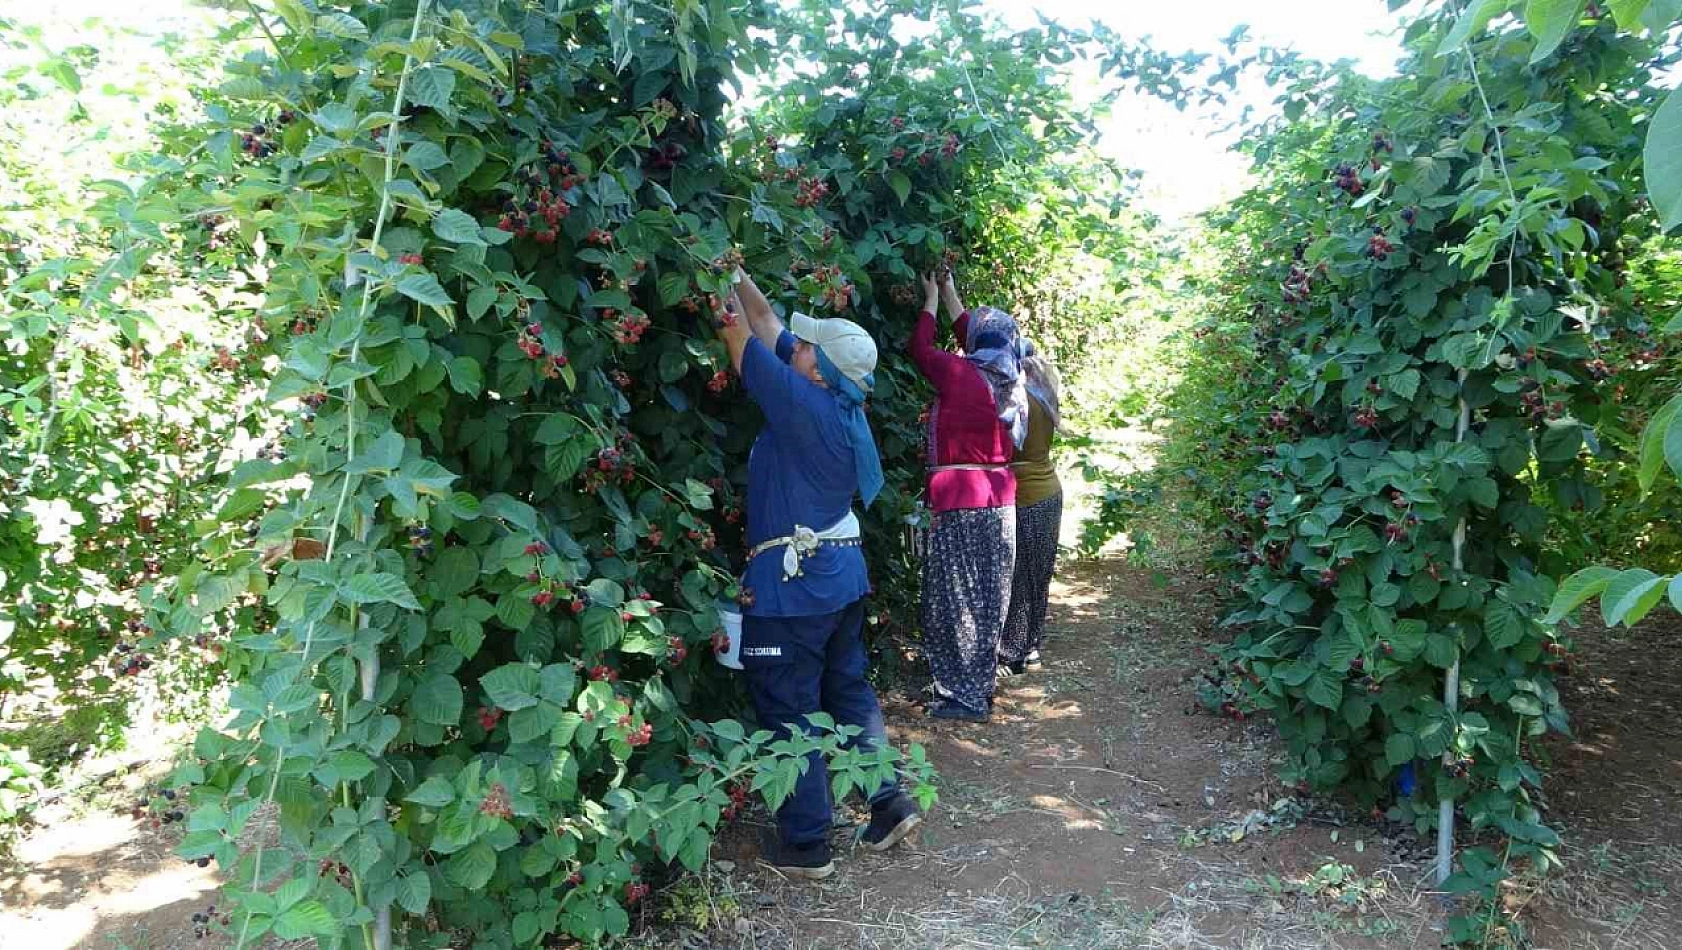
x: 796, y: 666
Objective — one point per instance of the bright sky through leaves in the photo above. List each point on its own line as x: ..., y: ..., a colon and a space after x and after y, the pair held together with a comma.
x: 1183, y: 155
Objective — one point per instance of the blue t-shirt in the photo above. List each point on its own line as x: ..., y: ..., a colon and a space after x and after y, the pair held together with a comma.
x: 800, y: 472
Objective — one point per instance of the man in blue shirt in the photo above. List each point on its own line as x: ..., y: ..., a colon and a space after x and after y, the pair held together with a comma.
x: 803, y: 629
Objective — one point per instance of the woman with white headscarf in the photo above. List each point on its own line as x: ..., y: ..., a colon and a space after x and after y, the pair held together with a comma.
x: 978, y: 420
x: 1039, y: 517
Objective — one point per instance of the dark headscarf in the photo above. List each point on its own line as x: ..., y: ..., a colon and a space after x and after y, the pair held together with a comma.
x: 993, y: 347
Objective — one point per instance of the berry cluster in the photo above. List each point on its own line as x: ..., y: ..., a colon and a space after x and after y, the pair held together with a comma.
x: 704, y: 537
x: 141, y: 810
x: 666, y: 157
x: 254, y: 143
x: 1348, y: 180
x: 837, y: 296
x: 305, y: 322
x: 1460, y: 767
x: 635, y: 891
x: 949, y: 148
x: 340, y: 871
x: 719, y: 382
x: 728, y: 262
x: 420, y: 539
x: 738, y: 801
x: 205, y: 919
x: 1379, y: 246
x: 312, y: 403
x: 611, y: 464
x: 496, y: 803
x: 131, y: 661
x: 211, y: 224
x: 1366, y: 417
x: 538, y: 210
x: 602, y: 673
x: 1536, y: 403
x: 810, y: 191
x: 628, y: 328
x: 903, y: 294
x: 676, y: 650
x: 489, y: 717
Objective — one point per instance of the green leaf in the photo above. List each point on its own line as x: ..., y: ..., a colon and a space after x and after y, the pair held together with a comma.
x: 1398, y: 749
x: 603, y: 628
x: 511, y: 686
x: 901, y: 185
x: 1577, y: 589
x: 414, y: 892
x: 424, y: 156
x: 1326, y: 688
x: 472, y: 868
x: 426, y: 289
x: 307, y: 919
x: 341, y: 26
x: 1632, y: 591
x: 1662, y: 161
x: 479, y: 301
x: 432, y: 86
x: 1502, y: 624
x: 458, y: 226
x: 382, y: 455
x: 673, y: 287
x: 1660, y: 14
x: 438, y: 700
x: 1475, y: 18
x: 1550, y: 21
x: 532, y: 723
x: 1628, y: 13
x: 435, y: 792
x: 1441, y: 651
x: 466, y: 376
x: 379, y: 588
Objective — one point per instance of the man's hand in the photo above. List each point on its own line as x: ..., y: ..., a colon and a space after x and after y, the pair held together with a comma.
x: 733, y: 330
x: 762, y: 320
x: 931, y: 293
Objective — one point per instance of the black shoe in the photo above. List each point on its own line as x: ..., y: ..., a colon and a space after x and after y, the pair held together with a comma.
x: 891, y: 822
x: 1032, y: 663
x: 953, y: 711
x: 811, y: 862
x: 1007, y: 670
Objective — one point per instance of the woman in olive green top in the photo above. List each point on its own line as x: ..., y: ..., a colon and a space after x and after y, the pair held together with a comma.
x: 1039, y: 516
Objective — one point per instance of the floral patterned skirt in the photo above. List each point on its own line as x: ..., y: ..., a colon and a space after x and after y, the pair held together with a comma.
x: 966, y: 594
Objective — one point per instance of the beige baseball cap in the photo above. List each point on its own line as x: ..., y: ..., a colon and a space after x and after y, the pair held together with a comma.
x: 846, y: 344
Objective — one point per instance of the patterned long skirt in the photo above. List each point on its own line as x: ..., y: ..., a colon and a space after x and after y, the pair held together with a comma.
x: 1037, y: 528
x: 966, y: 593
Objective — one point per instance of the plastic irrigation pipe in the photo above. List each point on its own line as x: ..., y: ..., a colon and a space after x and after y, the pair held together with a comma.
x: 1451, y: 682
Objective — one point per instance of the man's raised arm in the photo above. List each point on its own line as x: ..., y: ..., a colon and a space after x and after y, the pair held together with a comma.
x: 762, y: 320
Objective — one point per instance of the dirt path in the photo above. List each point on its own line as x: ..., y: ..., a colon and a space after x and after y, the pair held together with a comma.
x: 1098, y: 810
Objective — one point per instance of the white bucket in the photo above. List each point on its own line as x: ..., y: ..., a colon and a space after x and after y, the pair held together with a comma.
x: 732, y: 621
